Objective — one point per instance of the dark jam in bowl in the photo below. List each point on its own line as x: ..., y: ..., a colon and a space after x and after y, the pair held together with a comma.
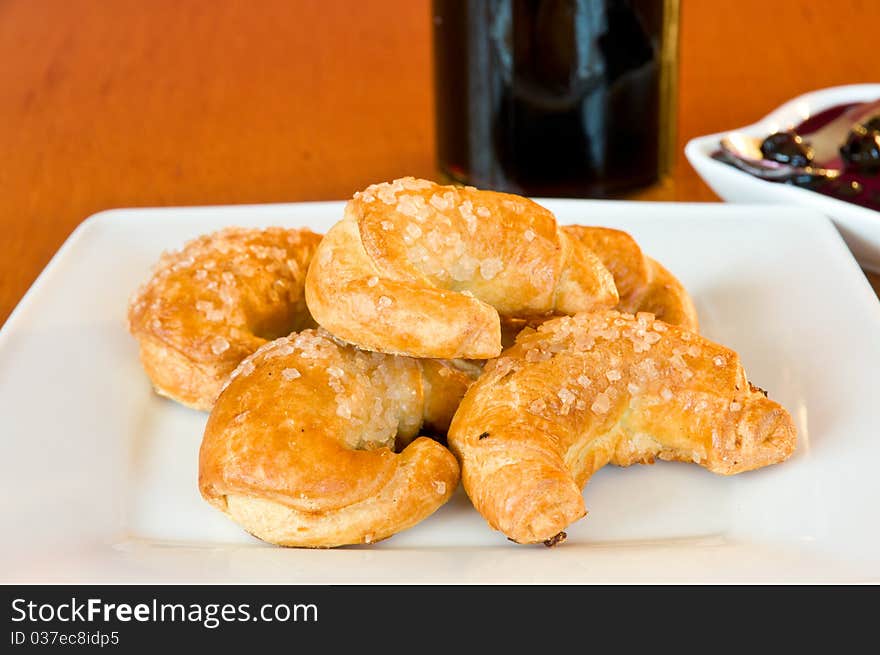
x: 855, y: 186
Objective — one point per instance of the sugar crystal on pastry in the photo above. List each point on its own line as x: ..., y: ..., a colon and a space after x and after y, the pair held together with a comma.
x: 414, y: 184
x: 466, y: 209
x: 413, y: 231
x: 288, y: 373
x: 601, y: 404
x: 410, y: 205
x: 537, y: 355
x: 219, y: 345
x: 491, y: 267
x: 537, y: 406
x: 211, y: 312
x: 441, y: 202
x: 281, y: 349
x: 338, y: 386
x: 343, y: 409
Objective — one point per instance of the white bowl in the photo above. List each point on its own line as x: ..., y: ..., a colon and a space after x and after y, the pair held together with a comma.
x: 859, y: 226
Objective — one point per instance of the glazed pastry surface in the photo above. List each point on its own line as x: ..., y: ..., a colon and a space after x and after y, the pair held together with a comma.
x: 425, y: 270
x: 643, y: 284
x: 315, y: 443
x: 209, y: 305
x: 605, y: 387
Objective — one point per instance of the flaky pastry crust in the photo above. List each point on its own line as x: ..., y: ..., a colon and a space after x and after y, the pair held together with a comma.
x: 583, y: 391
x: 209, y: 305
x: 426, y: 270
x: 300, y: 447
x: 643, y: 284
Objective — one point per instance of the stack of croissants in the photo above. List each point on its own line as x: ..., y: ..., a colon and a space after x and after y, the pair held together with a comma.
x: 437, y: 334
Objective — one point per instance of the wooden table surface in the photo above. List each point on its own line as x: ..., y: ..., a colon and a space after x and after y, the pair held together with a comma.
x: 176, y: 102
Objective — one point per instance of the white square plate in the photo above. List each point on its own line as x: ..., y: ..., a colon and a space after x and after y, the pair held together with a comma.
x: 98, y: 474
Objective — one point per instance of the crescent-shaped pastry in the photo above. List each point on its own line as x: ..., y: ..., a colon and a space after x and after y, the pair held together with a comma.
x: 583, y: 391
x: 214, y: 302
x: 313, y: 442
x: 425, y: 270
x: 643, y: 284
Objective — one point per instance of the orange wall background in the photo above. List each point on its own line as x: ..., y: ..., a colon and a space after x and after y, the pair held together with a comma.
x: 123, y: 103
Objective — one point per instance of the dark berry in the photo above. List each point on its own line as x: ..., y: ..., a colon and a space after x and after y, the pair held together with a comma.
x: 808, y: 180
x: 787, y: 148
x: 873, y: 125
x: 861, y: 151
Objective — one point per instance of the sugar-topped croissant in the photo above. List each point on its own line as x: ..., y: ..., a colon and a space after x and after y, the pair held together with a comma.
x: 426, y: 270
x: 313, y: 442
x: 583, y: 391
x: 215, y: 302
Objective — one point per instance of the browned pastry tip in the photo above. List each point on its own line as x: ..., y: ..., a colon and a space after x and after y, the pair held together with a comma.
x: 583, y: 391
x: 300, y: 447
x: 209, y: 305
x: 426, y: 270
x: 643, y: 284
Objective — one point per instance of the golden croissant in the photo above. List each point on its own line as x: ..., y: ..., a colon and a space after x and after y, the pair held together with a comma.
x: 215, y: 302
x: 580, y: 392
x: 426, y: 270
x: 313, y: 442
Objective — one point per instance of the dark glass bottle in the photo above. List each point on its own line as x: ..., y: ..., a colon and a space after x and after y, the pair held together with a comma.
x: 554, y: 97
